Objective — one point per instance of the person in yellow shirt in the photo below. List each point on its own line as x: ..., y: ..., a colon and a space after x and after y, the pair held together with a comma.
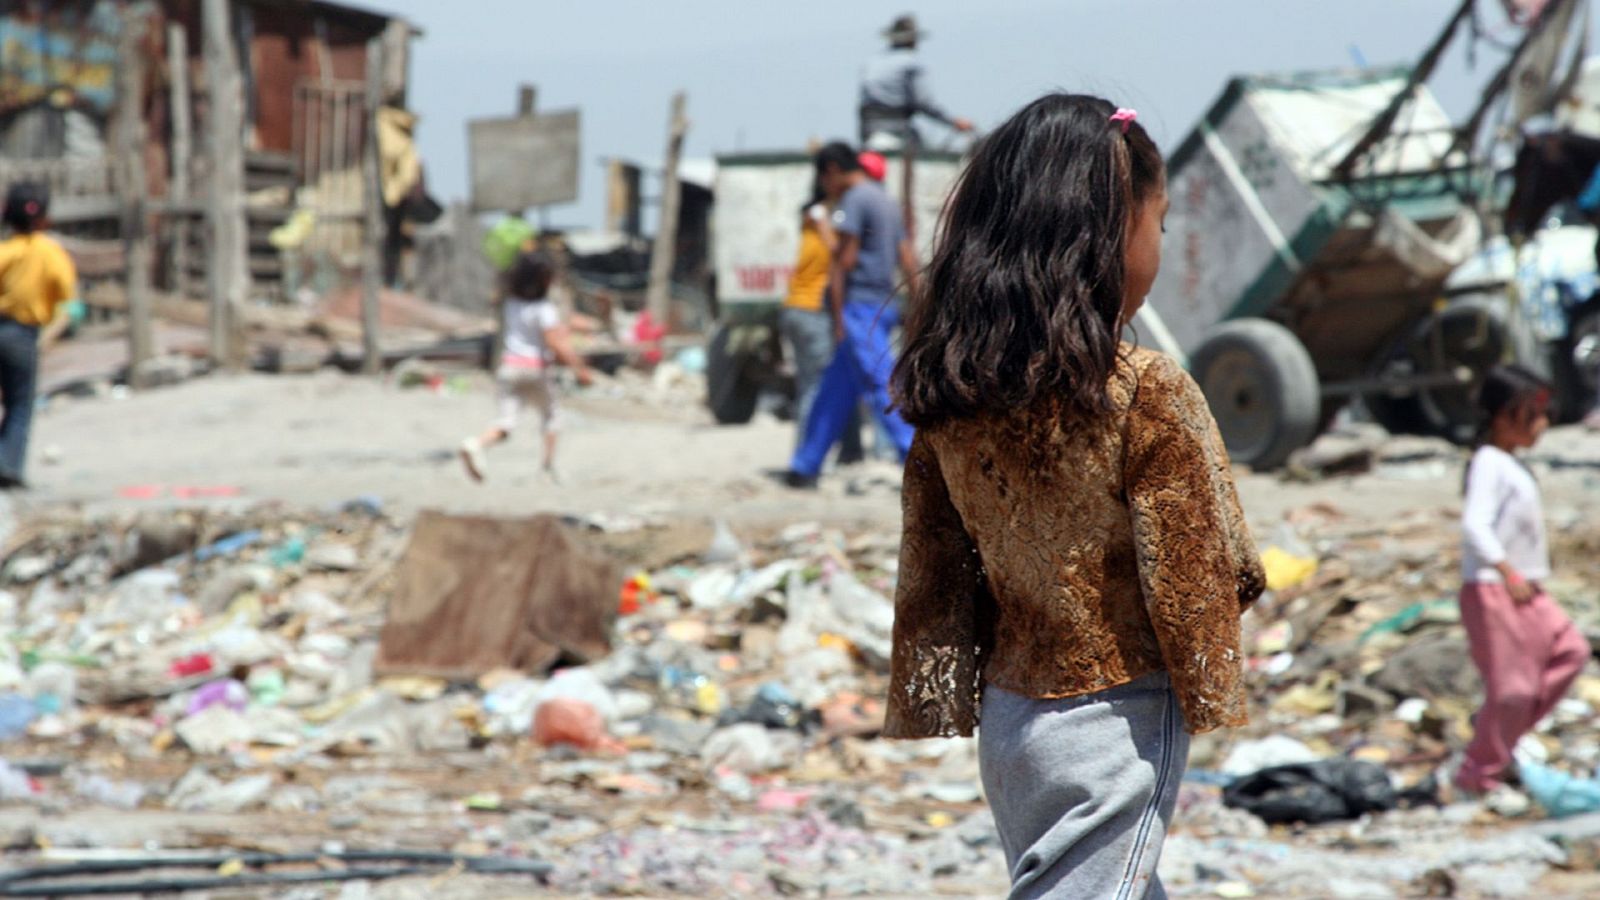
x: 36, y: 278
x: 805, y: 323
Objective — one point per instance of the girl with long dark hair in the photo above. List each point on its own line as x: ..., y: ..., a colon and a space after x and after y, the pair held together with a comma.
x: 1075, y: 559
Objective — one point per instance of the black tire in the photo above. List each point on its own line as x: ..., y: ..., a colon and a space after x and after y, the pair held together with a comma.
x: 1262, y: 389
x: 1577, y: 363
x: 730, y: 391
x: 1398, y: 411
x: 1474, y: 332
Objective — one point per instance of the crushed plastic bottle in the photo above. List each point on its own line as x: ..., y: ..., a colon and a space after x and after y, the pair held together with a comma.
x: 691, y: 690
x: 227, y: 692
x: 54, y: 688
x: 16, y: 714
x: 102, y: 790
x: 773, y: 706
x: 16, y: 784
x: 267, y: 686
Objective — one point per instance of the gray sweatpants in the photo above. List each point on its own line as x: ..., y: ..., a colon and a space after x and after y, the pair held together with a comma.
x: 1083, y: 788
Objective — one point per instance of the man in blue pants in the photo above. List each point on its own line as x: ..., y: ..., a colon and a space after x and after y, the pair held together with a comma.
x: 872, y: 244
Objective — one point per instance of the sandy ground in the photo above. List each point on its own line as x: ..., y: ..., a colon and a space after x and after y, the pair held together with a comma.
x: 326, y: 438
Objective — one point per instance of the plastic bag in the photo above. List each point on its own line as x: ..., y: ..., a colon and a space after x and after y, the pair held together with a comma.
x: 1327, y: 790
x: 505, y: 239
x: 1559, y: 793
x: 573, y: 722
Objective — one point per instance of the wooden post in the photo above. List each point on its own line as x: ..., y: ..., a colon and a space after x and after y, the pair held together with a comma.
x: 372, y: 205
x: 131, y: 136
x: 227, y: 270
x: 622, y: 197
x: 658, y: 298
x: 180, y: 191
x: 908, y: 202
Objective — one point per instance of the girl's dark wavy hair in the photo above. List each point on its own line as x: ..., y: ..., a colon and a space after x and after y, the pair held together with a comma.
x: 1022, y: 299
x: 531, y: 275
x: 1507, y: 388
x: 26, y: 205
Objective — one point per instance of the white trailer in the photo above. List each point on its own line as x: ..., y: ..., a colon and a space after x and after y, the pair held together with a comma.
x: 755, y: 240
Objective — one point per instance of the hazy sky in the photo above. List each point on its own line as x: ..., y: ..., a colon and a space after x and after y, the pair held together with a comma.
x: 765, y: 75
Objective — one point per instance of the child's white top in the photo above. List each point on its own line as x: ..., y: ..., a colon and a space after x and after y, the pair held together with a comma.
x: 526, y: 322
x: 1502, y: 519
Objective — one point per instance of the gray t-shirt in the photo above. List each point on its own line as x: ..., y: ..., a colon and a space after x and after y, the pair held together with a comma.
x: 867, y: 212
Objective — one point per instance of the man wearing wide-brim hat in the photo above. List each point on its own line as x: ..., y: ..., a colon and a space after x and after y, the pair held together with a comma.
x: 892, y: 91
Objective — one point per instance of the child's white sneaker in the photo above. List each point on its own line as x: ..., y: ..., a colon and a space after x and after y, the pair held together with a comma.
x: 472, y: 458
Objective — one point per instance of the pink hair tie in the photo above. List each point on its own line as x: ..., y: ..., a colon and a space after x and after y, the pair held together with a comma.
x: 1124, y: 117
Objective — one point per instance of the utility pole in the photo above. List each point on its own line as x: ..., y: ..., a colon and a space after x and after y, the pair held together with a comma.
x: 180, y: 191
x: 658, y: 298
x: 372, y: 255
x: 130, y: 139
x: 227, y: 269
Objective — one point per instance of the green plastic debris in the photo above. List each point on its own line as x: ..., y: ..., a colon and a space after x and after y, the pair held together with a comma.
x: 288, y: 553
x: 507, y: 238
x: 1443, y: 610
x: 267, y: 686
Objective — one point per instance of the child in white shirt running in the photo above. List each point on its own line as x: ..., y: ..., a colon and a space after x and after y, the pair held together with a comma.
x: 535, y: 340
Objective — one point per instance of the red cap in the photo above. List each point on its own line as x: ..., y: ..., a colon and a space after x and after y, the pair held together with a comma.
x: 876, y: 167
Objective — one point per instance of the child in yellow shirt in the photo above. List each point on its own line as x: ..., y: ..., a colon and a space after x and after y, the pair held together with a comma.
x: 36, y: 278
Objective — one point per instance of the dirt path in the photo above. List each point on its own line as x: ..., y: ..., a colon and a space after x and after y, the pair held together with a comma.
x: 326, y: 438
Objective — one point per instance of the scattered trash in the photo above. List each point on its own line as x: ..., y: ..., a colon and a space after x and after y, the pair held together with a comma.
x: 102, y: 791
x: 228, y: 546
x: 474, y: 594
x: 1265, y: 753
x: 567, y: 721
x: 1408, y: 619
x: 1560, y: 794
x: 229, y: 694
x: 53, y: 687
x: 16, y: 714
x: 716, y: 700
x: 194, y: 664
x: 1285, y: 570
x: 199, y: 791
x: 214, y: 729
x: 749, y: 749
x: 1327, y: 790
x: 16, y: 784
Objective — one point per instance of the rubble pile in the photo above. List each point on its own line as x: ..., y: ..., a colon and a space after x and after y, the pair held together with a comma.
x: 205, y: 663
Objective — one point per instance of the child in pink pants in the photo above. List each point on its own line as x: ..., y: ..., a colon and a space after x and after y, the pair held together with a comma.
x: 1524, y: 646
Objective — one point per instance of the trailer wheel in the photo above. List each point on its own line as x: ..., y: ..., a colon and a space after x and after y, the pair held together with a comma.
x: 1398, y: 411
x: 731, y: 391
x: 1474, y: 332
x: 1577, y: 367
x: 1262, y: 389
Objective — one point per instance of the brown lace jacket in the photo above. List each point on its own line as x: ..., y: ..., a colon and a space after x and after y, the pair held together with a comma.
x: 1055, y: 559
